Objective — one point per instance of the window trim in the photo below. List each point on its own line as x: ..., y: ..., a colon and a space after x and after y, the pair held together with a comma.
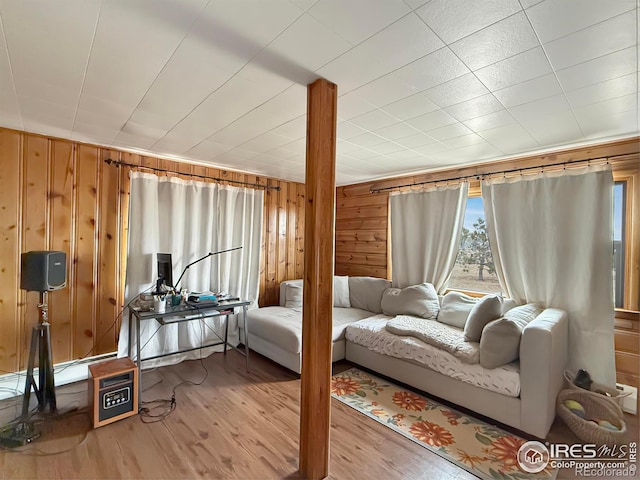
x: 632, y: 238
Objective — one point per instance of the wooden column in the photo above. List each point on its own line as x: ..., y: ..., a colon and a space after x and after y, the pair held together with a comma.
x: 317, y: 310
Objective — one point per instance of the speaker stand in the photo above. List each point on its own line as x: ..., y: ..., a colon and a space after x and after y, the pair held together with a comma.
x: 23, y: 431
x: 41, y: 342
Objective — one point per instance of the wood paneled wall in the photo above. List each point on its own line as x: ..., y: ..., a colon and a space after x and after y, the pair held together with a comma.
x: 362, y: 228
x: 60, y: 195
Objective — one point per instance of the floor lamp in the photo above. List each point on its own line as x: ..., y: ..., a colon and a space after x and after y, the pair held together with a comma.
x: 42, y: 271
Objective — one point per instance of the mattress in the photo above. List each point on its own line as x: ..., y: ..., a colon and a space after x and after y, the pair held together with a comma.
x: 371, y: 333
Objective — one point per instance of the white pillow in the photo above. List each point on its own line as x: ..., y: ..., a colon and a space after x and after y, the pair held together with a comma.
x: 341, y: 292
x: 455, y: 309
x: 293, y: 297
x: 417, y: 300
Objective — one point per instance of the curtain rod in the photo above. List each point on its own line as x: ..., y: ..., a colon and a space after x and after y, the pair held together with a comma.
x: 481, y: 176
x: 119, y: 163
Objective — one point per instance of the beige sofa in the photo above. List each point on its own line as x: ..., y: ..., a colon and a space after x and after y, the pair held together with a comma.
x: 276, y: 332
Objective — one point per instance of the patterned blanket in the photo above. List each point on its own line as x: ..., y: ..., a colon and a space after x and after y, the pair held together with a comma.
x: 440, y: 335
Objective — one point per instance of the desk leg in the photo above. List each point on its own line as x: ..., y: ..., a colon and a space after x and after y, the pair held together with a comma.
x: 130, y: 346
x: 139, y: 363
x: 246, y: 335
x: 226, y: 332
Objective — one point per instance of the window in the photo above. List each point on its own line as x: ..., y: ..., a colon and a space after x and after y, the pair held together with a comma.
x: 619, y: 244
x: 474, y: 269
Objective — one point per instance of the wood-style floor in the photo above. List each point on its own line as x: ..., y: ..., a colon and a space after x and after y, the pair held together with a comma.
x: 235, y: 425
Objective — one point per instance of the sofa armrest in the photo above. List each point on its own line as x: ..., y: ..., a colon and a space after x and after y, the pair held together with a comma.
x: 543, y: 358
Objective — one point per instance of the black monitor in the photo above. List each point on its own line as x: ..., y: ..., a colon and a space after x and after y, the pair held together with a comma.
x: 165, y: 271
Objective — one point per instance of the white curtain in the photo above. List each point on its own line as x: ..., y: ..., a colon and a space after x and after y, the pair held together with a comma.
x: 189, y: 219
x: 551, y: 238
x: 425, y: 234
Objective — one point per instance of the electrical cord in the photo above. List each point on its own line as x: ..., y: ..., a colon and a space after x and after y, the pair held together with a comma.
x: 169, y: 405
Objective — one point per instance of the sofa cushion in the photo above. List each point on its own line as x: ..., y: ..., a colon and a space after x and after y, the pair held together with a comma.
x: 293, y: 297
x: 500, y: 340
x: 417, y: 300
x: 455, y: 309
x: 283, y: 326
x: 341, y: 292
x: 488, y: 308
x: 366, y: 292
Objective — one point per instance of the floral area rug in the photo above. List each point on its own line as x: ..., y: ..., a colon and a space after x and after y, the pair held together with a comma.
x: 482, y: 449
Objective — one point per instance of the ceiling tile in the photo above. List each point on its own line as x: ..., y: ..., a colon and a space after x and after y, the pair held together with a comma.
x: 407, y: 154
x: 298, y: 45
x: 432, y: 120
x: 362, y: 153
x: 396, y: 131
x: 536, y: 89
x: 540, y: 109
x: 293, y: 129
x: 607, y: 37
x: 513, y: 70
x: 10, y: 115
x: 598, y: 70
x: 410, y: 107
x: 348, y: 21
x: 38, y: 112
x: 529, y: 3
x: 553, y: 19
x: 464, y: 155
x: 417, y: 140
x: 493, y: 120
x: 49, y: 47
x: 510, y: 138
x: 557, y: 129
x: 433, y: 69
x: 432, y: 148
x: 282, y: 152
x: 348, y: 130
x: 608, y: 107
x: 344, y: 147
x: 456, y: 91
x: 455, y: 19
x: 208, y: 150
x: 385, y: 90
x: 353, y: 70
x: 146, y: 44
x: 501, y: 40
x: 367, y: 140
x: 449, y: 131
x: 400, y: 43
x: 373, y: 120
x: 619, y: 124
x: 616, y: 87
x: 387, y: 148
x: 352, y: 105
x: 92, y: 133
x: 464, y: 140
x: 475, y: 107
x: 415, y: 3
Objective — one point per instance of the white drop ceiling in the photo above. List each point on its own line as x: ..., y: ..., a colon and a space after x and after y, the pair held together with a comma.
x: 422, y: 85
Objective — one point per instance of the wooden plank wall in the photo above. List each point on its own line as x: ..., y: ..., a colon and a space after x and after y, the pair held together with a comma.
x: 362, y: 228
x: 61, y: 195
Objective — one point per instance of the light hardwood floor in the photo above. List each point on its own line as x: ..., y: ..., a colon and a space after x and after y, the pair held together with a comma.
x: 235, y: 425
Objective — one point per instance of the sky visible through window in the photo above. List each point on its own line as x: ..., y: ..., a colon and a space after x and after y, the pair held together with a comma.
x: 618, y: 191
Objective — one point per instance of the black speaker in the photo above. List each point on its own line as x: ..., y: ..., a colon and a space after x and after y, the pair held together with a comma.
x: 43, y: 271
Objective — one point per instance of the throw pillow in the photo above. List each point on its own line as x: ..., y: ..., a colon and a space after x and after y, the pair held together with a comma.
x: 417, y: 300
x: 455, y: 309
x: 500, y: 341
x: 366, y: 292
x: 487, y: 309
x: 341, y: 292
x: 293, y: 297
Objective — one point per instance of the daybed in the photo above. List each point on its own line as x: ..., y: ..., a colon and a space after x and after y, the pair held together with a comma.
x: 521, y: 393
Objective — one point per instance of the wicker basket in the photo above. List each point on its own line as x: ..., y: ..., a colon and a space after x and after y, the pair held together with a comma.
x: 613, y: 393
x: 595, y: 406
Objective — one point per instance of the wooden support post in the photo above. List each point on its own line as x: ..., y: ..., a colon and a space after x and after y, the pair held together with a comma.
x: 317, y: 309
